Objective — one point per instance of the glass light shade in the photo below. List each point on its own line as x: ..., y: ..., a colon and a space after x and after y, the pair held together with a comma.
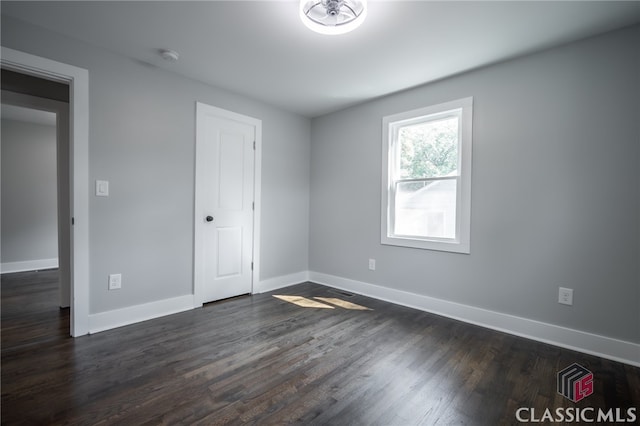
x: 333, y: 16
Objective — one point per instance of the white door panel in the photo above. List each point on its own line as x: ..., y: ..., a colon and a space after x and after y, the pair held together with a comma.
x: 229, y: 252
x: 231, y: 174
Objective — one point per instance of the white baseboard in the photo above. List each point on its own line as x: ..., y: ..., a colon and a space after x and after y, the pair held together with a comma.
x: 132, y: 314
x: 602, y: 346
x: 120, y: 317
x: 280, y: 282
x: 28, y: 265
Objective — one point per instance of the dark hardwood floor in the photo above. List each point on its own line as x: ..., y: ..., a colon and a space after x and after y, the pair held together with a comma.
x: 264, y: 360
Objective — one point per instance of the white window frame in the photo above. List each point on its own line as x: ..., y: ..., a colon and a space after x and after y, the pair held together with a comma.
x: 390, y: 127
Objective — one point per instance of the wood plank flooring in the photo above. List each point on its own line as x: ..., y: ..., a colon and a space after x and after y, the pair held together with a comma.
x: 262, y: 360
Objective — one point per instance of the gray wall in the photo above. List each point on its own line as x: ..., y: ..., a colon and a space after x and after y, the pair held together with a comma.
x: 29, y: 195
x: 555, y: 192
x: 142, y: 140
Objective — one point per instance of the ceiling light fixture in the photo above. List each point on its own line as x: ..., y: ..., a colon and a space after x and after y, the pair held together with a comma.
x: 333, y: 16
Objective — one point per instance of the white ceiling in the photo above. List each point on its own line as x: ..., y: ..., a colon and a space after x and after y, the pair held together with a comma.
x: 262, y: 50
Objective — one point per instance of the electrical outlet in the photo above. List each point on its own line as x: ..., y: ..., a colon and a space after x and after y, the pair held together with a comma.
x: 565, y: 296
x: 372, y: 264
x: 115, y: 281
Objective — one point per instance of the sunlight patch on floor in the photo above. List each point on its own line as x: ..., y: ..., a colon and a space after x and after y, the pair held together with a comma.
x: 302, y: 301
x: 343, y: 303
x: 329, y: 302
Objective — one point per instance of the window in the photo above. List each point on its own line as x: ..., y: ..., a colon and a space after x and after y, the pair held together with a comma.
x: 426, y: 189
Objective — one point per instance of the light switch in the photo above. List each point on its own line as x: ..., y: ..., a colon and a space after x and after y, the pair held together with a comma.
x: 102, y: 188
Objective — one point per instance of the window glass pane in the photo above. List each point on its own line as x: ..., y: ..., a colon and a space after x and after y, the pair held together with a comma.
x: 429, y: 149
x: 426, y: 209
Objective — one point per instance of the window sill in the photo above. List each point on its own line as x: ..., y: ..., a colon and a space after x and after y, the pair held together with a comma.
x: 451, y: 246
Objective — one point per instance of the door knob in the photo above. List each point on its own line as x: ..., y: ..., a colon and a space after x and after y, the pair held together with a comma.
x: 209, y: 218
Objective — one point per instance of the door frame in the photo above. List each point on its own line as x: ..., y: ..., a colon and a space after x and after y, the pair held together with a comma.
x: 78, y: 81
x: 198, y: 240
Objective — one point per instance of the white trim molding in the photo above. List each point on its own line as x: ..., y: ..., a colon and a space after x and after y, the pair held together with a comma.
x: 29, y: 265
x: 277, y: 283
x: 593, y: 344
x: 133, y: 314
x: 459, y: 233
x: 78, y: 81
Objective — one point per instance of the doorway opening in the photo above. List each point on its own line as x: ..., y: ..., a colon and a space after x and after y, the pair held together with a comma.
x: 72, y: 118
x: 36, y: 228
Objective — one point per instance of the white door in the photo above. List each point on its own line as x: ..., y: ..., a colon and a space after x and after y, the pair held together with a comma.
x: 224, y: 208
